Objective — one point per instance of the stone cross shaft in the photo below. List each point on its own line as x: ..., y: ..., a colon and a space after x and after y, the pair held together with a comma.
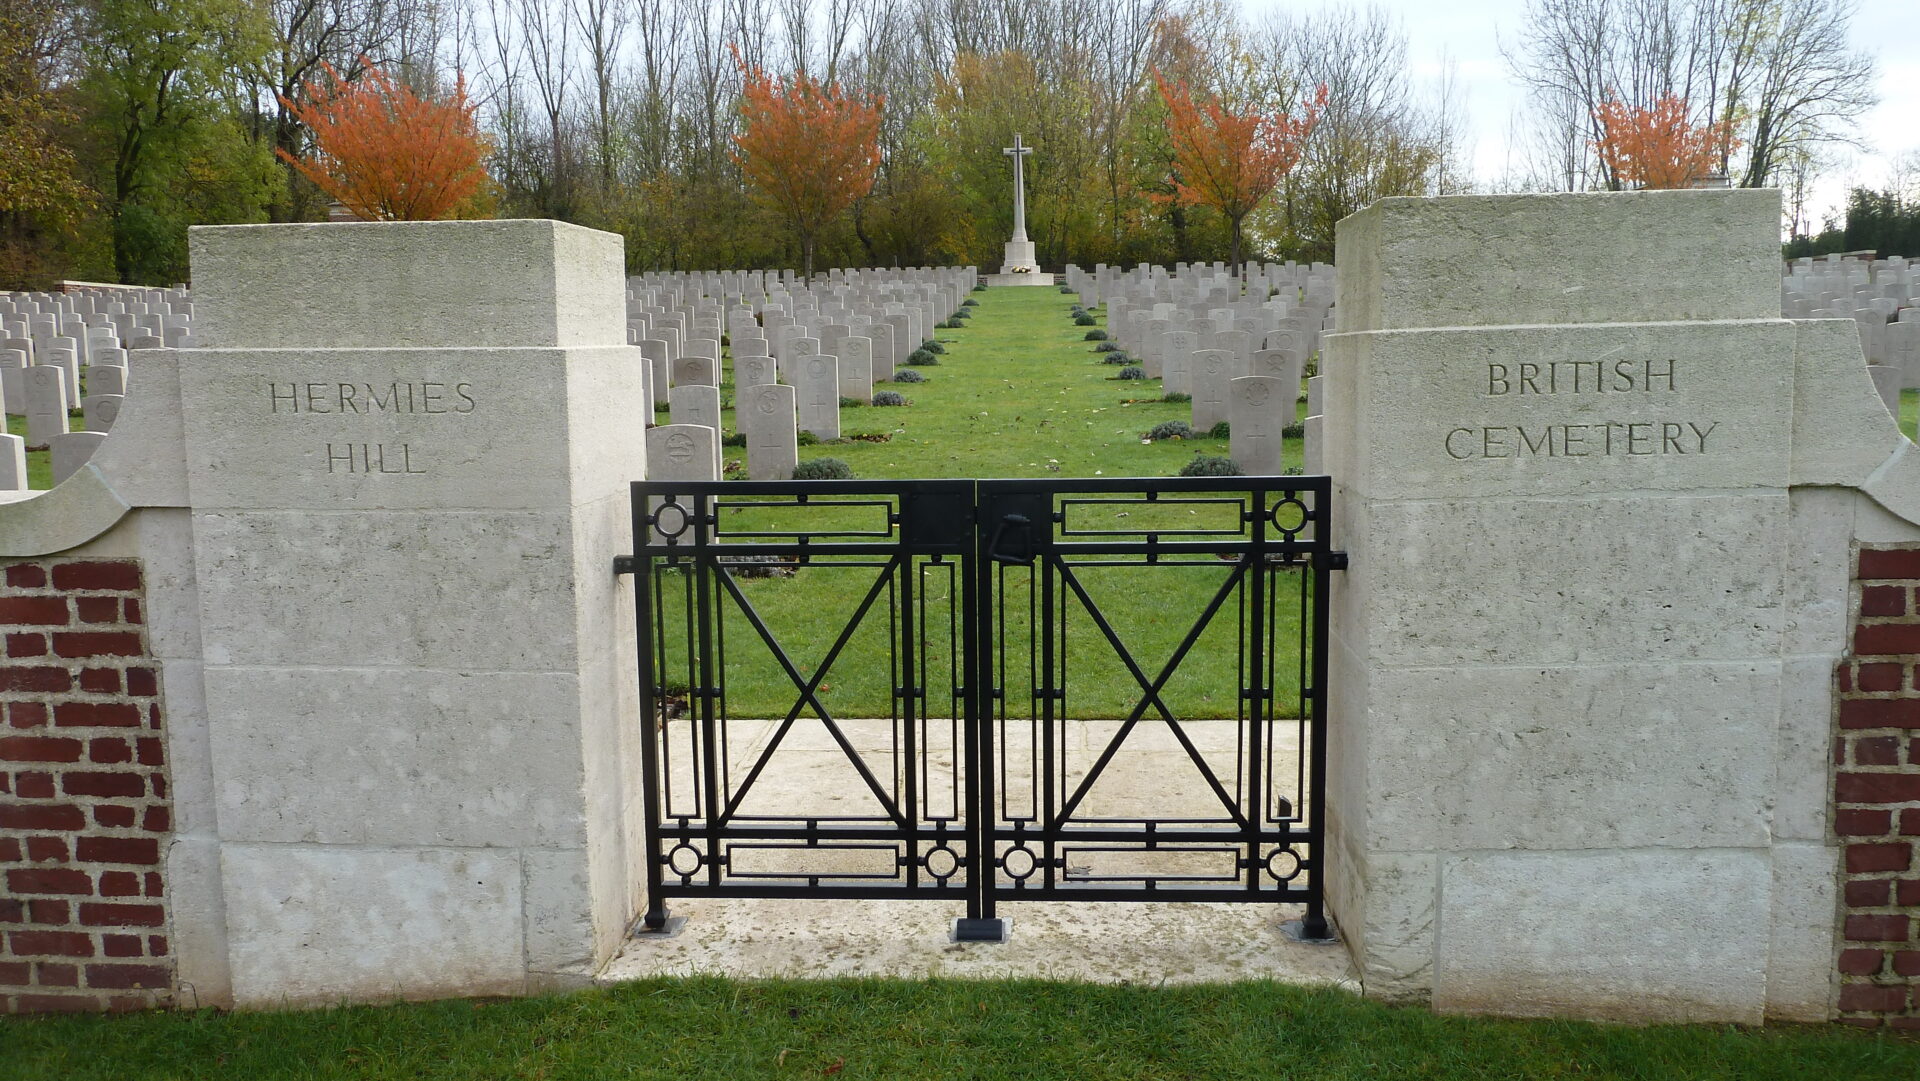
x: 1018, y: 152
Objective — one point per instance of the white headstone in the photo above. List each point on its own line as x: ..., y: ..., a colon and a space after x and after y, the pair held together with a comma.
x: 816, y: 387
x: 1212, y: 369
x: 1258, y: 409
x: 70, y: 451
x: 765, y: 415
x: 697, y: 403
x: 856, y: 368
x: 46, y: 404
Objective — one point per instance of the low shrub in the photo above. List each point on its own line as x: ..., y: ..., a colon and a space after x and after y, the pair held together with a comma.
x: 805, y: 438
x: 851, y: 403
x: 1222, y: 430
x: 932, y: 346
x: 1176, y: 398
x: 981, y: 288
x: 1293, y: 431
x: 890, y: 397
x: 1066, y: 289
x: 737, y: 439
x: 1206, y: 466
x: 1170, y: 429
x: 1132, y: 371
x: 908, y: 375
x: 969, y: 303
x: 1105, y: 346
x: 921, y: 356
x: 823, y: 469
x: 1095, y: 336
x: 1116, y: 358
x: 1085, y: 320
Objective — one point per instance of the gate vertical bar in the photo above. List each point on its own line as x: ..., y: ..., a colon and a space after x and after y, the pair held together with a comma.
x: 650, y: 789
x: 979, y: 706
x: 706, y: 565
x: 1314, y: 924
x: 907, y: 698
x: 1255, y: 804
x: 1052, y: 686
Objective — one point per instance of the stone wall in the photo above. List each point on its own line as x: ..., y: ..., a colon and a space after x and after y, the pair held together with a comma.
x: 1877, y: 794
x: 85, y: 812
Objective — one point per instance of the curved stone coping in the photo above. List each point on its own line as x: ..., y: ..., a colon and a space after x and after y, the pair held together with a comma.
x: 1896, y: 484
x: 72, y: 513
x: 1843, y: 434
x: 140, y: 463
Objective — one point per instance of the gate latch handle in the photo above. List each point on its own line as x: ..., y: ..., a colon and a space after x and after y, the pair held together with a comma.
x: 993, y: 546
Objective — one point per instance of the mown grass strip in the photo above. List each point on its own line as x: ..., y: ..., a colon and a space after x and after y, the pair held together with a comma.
x: 726, y: 1030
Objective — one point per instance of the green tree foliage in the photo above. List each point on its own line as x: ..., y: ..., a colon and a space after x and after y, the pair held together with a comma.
x: 1884, y: 222
x: 42, y: 197
x: 161, y: 114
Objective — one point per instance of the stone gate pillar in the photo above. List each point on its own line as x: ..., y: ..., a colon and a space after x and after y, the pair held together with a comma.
x: 1567, y: 774
x: 409, y: 446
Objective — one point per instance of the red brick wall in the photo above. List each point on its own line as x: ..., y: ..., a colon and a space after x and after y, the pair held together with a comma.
x: 1876, y: 790
x: 84, y: 810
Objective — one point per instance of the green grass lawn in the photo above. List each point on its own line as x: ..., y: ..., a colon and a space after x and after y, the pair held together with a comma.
x: 725, y: 1030
x: 1020, y: 392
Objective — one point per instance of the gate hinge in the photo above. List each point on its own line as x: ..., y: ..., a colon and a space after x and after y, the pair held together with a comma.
x: 1336, y: 561
x: 624, y: 565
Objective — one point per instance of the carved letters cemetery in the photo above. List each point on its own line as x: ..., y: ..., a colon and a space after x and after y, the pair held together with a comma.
x: 1474, y: 635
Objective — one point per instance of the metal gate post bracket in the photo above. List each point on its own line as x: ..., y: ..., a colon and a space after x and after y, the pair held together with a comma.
x: 994, y: 929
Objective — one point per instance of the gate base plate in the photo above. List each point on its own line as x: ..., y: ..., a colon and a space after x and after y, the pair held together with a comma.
x: 666, y: 930
x: 1296, y: 930
x: 993, y: 930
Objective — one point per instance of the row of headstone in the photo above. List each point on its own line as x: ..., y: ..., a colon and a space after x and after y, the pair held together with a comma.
x: 73, y: 350
x: 1881, y: 296
x: 796, y: 349
x: 1236, y: 344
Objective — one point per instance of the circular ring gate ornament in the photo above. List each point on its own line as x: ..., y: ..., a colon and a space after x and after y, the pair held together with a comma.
x: 692, y: 855
x: 1289, y: 510
x: 1022, y: 858
x: 674, y: 525
x: 941, y: 857
x: 1285, y: 860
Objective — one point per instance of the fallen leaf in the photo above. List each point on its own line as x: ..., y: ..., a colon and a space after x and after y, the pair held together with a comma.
x: 838, y: 1065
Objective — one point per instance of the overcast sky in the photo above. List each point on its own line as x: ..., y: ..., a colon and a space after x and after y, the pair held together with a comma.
x: 1469, y: 32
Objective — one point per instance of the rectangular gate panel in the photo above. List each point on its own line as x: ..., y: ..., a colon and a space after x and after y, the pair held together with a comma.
x: 1092, y: 689
x: 1154, y: 693
x: 781, y: 760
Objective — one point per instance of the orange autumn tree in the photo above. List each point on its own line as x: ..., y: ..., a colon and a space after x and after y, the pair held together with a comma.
x: 1659, y: 147
x: 385, y: 153
x: 1231, y: 160
x: 809, y: 149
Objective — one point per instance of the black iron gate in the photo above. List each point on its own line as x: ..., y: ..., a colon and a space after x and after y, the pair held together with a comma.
x: 984, y: 690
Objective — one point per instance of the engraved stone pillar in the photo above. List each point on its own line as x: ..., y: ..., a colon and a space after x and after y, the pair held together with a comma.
x: 410, y: 445
x: 1565, y: 770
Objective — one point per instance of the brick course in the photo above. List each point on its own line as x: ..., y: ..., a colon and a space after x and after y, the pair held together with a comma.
x: 84, y: 813
x: 1876, y: 787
